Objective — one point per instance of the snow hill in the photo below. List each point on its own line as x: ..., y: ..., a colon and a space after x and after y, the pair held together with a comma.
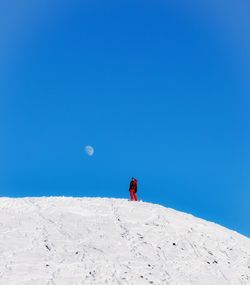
x: 113, y: 241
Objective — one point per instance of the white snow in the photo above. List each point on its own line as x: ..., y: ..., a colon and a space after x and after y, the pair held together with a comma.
x: 59, y: 240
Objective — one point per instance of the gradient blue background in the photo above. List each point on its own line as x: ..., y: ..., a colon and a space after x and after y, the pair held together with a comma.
x: 159, y: 88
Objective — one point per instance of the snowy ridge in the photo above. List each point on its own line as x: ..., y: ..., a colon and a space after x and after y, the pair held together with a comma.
x: 60, y: 240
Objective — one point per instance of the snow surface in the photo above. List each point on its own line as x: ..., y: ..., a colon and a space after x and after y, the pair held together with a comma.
x: 59, y: 240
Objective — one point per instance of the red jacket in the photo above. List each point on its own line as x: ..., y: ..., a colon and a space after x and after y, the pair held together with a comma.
x: 133, y: 185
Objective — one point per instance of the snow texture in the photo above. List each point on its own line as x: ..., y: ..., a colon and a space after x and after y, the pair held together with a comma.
x: 59, y: 240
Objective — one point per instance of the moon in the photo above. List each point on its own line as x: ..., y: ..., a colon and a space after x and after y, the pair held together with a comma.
x: 89, y: 150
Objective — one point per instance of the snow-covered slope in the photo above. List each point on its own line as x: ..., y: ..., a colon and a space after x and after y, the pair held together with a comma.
x: 113, y: 241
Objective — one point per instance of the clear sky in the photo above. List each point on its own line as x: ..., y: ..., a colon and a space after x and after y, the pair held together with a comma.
x: 160, y: 89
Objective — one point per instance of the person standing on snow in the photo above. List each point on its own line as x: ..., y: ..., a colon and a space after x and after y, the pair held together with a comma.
x: 133, y: 189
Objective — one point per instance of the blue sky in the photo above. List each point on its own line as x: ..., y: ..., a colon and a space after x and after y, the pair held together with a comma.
x: 160, y: 89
